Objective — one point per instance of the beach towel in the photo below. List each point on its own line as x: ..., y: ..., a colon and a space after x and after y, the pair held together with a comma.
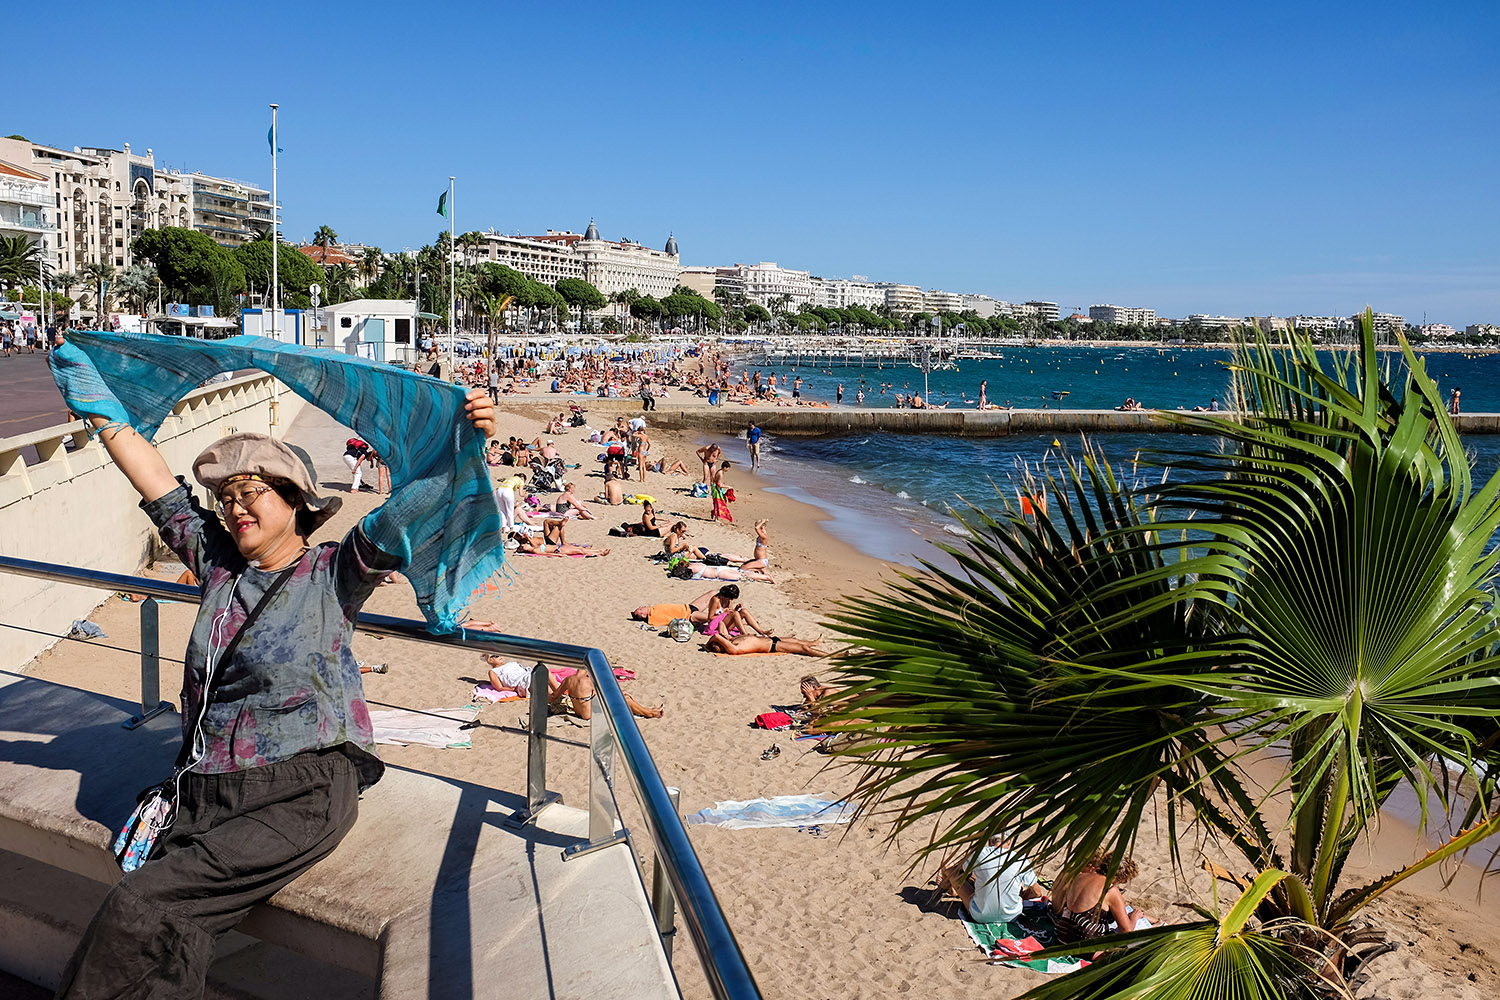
x: 1012, y: 941
x: 488, y: 692
x: 442, y: 518
x: 438, y: 727
x: 721, y: 505
x: 780, y: 810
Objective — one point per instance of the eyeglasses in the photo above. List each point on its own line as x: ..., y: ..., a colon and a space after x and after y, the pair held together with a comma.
x: 242, y: 499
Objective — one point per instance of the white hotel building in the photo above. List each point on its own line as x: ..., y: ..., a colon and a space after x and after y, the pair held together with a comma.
x: 610, y: 266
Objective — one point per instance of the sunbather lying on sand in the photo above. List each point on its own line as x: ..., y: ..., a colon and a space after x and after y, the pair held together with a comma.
x: 530, y: 545
x: 699, y: 610
x: 762, y: 644
x: 577, y: 687
x: 703, y: 571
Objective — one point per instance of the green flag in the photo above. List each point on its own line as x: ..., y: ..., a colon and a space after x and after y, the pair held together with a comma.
x: 443, y: 204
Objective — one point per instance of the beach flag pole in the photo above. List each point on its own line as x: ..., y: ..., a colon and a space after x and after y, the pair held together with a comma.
x: 275, y: 227
x: 452, y: 284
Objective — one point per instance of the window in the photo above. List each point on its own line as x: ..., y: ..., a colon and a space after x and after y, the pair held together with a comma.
x: 120, y: 244
x: 403, y: 331
x: 345, y: 322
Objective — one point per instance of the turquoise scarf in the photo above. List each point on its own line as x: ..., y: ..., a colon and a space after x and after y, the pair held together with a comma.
x: 441, y: 519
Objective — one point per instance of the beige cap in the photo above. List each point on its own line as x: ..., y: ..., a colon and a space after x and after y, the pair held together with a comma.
x: 249, y: 454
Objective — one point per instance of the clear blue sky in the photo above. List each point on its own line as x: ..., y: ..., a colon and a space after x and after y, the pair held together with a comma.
x: 1193, y: 157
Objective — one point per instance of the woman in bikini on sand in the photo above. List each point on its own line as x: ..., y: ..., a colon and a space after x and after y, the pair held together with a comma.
x: 761, y: 559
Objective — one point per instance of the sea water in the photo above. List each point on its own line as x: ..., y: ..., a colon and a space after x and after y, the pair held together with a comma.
x: 891, y: 495
x: 1098, y: 378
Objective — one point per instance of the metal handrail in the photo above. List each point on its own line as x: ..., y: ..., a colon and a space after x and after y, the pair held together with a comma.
x: 719, y: 953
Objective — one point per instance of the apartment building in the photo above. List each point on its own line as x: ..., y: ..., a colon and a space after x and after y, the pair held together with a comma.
x: 937, y: 301
x: 1122, y: 315
x: 26, y: 208
x: 903, y: 299
x: 102, y: 199
x: 1043, y: 310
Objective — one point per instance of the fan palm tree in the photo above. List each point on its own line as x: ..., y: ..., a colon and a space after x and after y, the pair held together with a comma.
x: 99, y: 274
x: 137, y: 282
x: 371, y: 262
x: 1320, y: 590
x: 340, y: 282
x: 325, y: 237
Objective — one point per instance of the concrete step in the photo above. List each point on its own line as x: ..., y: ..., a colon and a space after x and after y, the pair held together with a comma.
x: 431, y: 895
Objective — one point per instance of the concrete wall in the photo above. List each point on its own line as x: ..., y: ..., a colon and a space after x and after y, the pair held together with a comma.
x: 817, y: 422
x: 74, y: 507
x: 814, y: 422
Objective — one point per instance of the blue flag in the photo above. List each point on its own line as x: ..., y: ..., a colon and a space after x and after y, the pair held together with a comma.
x: 271, y: 140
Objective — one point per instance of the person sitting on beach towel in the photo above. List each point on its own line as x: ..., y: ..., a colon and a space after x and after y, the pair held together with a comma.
x: 676, y: 540
x: 1089, y: 906
x: 576, y: 686
x: 732, y: 622
x: 1000, y: 880
x: 566, y: 502
x: 646, y: 527
x: 761, y: 559
x: 762, y: 644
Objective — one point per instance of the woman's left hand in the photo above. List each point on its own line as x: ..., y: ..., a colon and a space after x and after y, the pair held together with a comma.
x: 480, y: 411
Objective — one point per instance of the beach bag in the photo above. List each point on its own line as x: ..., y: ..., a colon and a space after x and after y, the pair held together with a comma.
x: 680, y: 571
x: 152, y: 817
x: 714, y: 559
x: 773, y: 720
x: 700, y: 491
x: 680, y: 629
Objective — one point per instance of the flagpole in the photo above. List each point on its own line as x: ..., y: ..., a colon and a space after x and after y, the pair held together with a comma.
x: 275, y: 229
x: 452, y: 282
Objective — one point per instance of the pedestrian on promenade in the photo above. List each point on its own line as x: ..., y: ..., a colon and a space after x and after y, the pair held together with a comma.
x: 984, y: 402
x: 1453, y: 403
x: 839, y: 397
x: 269, y: 655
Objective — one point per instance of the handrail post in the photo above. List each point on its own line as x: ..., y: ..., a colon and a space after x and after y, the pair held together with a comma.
x: 150, y: 667
x: 537, y: 796
x: 663, y: 903
x: 604, y: 815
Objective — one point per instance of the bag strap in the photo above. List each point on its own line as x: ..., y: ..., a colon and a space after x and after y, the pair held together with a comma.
x: 260, y: 606
x: 186, y: 751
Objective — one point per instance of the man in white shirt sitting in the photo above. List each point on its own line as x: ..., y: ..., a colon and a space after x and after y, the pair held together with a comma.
x: 1001, y: 880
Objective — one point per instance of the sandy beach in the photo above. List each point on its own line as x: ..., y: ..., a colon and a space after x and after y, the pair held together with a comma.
x: 817, y: 916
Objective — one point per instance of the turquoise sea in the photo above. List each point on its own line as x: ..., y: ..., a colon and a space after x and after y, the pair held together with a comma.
x: 889, y: 494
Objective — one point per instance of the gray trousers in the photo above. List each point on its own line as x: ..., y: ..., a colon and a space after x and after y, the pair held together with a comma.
x: 237, y: 839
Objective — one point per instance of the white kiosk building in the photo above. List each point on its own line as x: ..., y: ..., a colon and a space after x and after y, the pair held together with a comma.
x: 379, y: 329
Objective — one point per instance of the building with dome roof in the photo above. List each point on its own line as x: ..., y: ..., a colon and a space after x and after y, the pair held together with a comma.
x: 612, y: 266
